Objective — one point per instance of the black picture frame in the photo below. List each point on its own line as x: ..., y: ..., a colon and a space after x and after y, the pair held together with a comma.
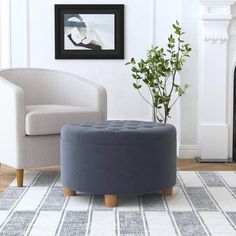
x: 94, y: 52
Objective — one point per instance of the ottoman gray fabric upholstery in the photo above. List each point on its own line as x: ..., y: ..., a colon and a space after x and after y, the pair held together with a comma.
x: 118, y: 157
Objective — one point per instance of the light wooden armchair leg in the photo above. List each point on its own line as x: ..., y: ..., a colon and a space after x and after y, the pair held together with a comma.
x: 19, y: 177
x: 110, y: 200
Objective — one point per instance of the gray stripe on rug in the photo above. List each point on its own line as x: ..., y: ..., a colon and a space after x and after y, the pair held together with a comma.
x: 188, y: 224
x: 233, y: 189
x: 46, y: 178
x: 178, y: 182
x: 211, y: 179
x: 63, y: 212
x: 75, y: 223
x: 116, y: 222
x: 200, y: 199
x: 153, y: 202
x: 232, y: 216
x: 216, y: 203
x: 143, y: 214
x: 9, y: 197
x: 55, y: 200
x: 18, y: 223
x: 131, y: 223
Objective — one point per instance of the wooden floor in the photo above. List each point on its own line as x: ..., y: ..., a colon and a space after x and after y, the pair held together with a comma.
x: 7, y: 174
x: 190, y: 164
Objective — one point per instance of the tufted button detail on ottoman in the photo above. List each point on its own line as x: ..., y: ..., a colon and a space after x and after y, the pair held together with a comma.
x: 118, y: 157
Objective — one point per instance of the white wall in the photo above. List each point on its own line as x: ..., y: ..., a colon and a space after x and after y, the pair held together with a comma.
x: 146, y: 22
x: 190, y: 75
x: 123, y: 101
x: 5, y: 42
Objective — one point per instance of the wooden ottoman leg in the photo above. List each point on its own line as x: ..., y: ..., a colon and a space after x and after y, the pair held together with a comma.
x: 110, y: 200
x: 19, y: 177
x: 69, y: 192
x: 167, y: 192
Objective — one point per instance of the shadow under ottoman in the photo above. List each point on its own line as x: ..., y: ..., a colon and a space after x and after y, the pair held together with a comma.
x: 118, y: 157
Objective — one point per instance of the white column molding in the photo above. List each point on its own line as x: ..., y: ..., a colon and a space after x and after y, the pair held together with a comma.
x: 217, y: 34
x: 215, y: 17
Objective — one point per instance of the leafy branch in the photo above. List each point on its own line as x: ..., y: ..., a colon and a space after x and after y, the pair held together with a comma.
x: 158, y: 70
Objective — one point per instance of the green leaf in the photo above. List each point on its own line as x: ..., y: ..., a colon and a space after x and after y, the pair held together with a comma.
x: 133, y: 60
x: 136, y: 86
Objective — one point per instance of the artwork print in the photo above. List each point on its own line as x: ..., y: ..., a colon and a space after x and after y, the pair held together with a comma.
x: 89, y: 31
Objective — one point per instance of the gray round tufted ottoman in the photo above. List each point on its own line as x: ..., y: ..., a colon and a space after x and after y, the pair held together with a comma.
x: 118, y: 157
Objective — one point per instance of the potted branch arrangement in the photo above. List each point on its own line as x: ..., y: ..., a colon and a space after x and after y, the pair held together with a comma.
x: 158, y: 72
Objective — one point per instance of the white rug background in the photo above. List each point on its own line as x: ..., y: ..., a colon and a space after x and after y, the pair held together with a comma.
x: 203, y: 203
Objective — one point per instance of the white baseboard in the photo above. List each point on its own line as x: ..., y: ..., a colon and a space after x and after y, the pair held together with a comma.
x: 188, y: 151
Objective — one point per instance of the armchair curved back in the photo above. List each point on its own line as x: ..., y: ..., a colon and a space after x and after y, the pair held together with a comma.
x: 40, y: 86
x: 43, y: 86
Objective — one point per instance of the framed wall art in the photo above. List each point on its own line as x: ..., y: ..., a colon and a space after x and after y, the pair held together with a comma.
x: 89, y: 31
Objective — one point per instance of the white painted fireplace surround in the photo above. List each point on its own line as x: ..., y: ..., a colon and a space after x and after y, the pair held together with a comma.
x: 204, y: 116
x: 217, y: 64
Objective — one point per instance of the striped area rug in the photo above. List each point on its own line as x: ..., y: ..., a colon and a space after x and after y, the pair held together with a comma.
x: 203, y: 203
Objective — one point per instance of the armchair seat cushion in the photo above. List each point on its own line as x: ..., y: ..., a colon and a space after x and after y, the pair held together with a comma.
x: 49, y: 119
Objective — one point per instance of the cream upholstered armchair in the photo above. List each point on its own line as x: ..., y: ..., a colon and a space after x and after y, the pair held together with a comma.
x: 35, y: 104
